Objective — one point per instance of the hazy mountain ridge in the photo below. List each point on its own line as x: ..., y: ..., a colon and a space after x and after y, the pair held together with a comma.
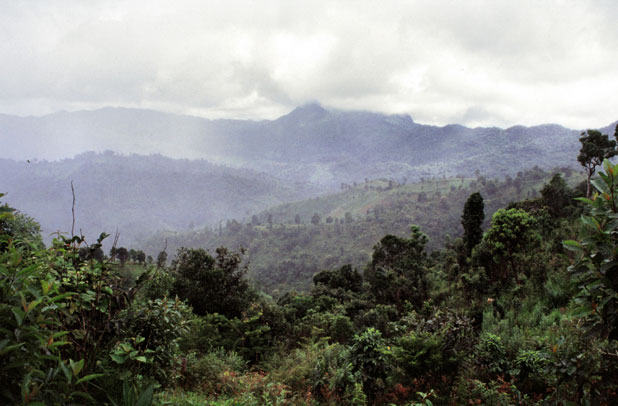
x: 138, y: 194
x: 310, y: 143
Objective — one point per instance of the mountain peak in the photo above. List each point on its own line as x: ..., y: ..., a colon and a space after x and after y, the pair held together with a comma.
x: 308, y: 111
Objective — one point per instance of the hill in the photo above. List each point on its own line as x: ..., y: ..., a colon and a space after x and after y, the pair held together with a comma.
x: 285, y: 248
x: 310, y: 144
x: 138, y: 194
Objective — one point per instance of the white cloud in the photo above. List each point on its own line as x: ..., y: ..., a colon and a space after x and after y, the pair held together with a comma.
x: 475, y: 62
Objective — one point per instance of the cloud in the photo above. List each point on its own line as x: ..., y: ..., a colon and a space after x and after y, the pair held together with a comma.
x: 475, y: 62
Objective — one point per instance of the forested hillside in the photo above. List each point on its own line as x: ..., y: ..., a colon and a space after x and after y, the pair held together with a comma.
x: 138, y: 195
x: 287, y: 244
x: 520, y: 311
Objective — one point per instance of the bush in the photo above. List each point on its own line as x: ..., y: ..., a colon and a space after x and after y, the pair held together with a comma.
x: 151, y: 331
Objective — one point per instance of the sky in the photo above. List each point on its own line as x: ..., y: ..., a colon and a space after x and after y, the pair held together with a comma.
x: 473, y: 62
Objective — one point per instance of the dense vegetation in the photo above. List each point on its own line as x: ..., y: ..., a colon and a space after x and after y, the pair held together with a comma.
x: 286, y: 245
x: 524, y: 314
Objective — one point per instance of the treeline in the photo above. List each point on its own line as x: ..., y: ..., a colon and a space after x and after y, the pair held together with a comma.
x: 288, y: 244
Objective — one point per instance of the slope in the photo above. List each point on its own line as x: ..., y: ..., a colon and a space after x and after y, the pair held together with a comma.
x: 138, y: 194
x: 284, y: 254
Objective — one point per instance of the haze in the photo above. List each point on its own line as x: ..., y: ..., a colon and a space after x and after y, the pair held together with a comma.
x: 478, y: 63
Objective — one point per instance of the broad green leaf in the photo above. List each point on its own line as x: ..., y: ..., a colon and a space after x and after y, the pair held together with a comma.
x: 10, y: 348
x: 66, y: 371
x: 76, y: 366
x: 19, y: 315
x: 572, y: 245
x: 582, y: 311
x: 62, y: 296
x: 600, y: 186
x: 88, y: 378
x: 145, y: 398
x: 117, y: 358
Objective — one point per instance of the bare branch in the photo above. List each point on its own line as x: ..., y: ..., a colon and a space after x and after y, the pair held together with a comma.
x: 73, y: 210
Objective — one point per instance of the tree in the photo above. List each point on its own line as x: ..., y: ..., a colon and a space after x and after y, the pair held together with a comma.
x: 161, y: 259
x: 345, y: 278
x: 472, y: 221
x: 297, y: 219
x: 397, y: 271
x: 315, y: 219
x: 595, y: 148
x: 502, y: 251
x: 123, y: 254
x: 556, y: 196
x: 212, y: 285
x: 348, y: 217
x: 595, y: 269
x: 141, y: 256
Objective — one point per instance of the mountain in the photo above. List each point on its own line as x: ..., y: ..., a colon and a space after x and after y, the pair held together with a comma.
x: 310, y: 144
x: 138, y: 194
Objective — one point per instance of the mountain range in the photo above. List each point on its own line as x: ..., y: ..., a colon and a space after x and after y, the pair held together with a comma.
x: 310, y: 144
x: 174, y: 172
x: 138, y: 195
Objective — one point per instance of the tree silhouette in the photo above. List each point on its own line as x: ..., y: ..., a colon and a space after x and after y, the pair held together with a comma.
x: 595, y: 148
x: 472, y: 220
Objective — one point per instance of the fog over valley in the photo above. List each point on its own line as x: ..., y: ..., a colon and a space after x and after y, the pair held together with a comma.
x: 309, y: 203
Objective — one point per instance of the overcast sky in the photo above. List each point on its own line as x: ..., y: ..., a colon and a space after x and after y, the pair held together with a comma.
x: 478, y: 63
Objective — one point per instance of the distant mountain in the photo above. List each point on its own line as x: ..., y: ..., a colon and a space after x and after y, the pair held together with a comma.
x: 310, y: 143
x: 137, y: 194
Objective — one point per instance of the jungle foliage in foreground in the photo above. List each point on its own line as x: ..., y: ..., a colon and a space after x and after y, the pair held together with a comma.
x: 522, y: 314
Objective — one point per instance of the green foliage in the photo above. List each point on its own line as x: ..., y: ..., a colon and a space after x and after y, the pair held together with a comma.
x: 595, y: 148
x: 596, y: 266
x: 414, y: 329
x: 286, y: 255
x: 433, y: 346
x: 152, y: 329
x: 33, y: 366
x: 212, y: 285
x: 557, y: 196
x: 472, y: 221
x: 397, y: 271
x: 209, y: 371
x: 156, y: 283
x: 504, y: 246
x: 344, y: 278
x: 371, y: 357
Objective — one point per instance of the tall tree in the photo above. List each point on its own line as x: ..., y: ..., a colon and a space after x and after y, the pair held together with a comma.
x: 556, y: 196
x: 472, y: 220
x: 398, y: 270
x: 123, y: 254
x: 212, y: 285
x: 595, y: 148
x: 161, y: 259
x: 503, y: 249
